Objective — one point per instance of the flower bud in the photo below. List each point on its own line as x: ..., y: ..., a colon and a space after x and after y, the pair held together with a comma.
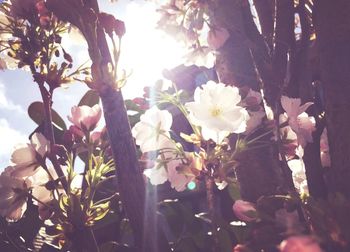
x: 244, y: 210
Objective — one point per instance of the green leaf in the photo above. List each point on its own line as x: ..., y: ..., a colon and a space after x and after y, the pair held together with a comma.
x: 130, y: 105
x: 36, y: 112
x: 90, y: 98
x: 233, y: 190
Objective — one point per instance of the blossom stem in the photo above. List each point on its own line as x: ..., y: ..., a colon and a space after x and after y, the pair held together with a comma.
x: 209, y: 185
x: 47, y: 102
x: 185, y: 113
x: 41, y: 202
x: 260, y: 136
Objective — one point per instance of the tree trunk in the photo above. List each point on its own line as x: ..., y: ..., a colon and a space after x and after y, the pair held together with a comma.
x: 257, y: 171
x: 332, y: 21
x: 140, y: 211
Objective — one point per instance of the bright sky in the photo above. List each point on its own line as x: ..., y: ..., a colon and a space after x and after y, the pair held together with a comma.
x: 145, y: 53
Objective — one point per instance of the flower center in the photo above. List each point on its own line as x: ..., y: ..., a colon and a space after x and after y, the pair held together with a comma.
x: 215, y: 112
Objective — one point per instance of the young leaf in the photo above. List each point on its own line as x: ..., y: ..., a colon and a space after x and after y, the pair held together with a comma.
x: 36, y: 112
x: 90, y: 99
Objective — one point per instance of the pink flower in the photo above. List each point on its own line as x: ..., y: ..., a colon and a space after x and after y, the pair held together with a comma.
x: 76, y: 132
x: 217, y: 37
x: 96, y: 136
x: 300, y: 244
x: 24, y: 159
x: 13, y: 196
x: 14, y: 191
x: 177, y: 180
x: 244, y: 210
x: 85, y: 117
x: 300, y: 122
x: 241, y: 248
x: 252, y: 102
x: 178, y: 171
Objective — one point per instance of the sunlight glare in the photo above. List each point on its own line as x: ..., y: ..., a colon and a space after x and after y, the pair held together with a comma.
x: 146, y: 50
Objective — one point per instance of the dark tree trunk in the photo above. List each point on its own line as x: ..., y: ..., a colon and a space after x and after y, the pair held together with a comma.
x: 139, y: 209
x: 332, y: 21
x: 284, y: 43
x: 257, y: 170
x: 300, y: 85
x: 265, y: 10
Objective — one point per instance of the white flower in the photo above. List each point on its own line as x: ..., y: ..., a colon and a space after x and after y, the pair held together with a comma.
x: 298, y: 173
x: 221, y: 185
x: 215, y: 110
x: 157, y: 175
x: 167, y: 169
x: 24, y: 157
x: 201, y: 57
x: 325, y: 157
x: 302, y: 124
x: 152, y: 132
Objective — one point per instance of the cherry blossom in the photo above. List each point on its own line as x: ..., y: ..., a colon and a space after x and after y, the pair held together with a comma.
x: 302, y: 124
x: 180, y: 174
x: 200, y: 57
x: 157, y: 175
x: 298, y: 173
x: 289, y: 141
x: 300, y: 244
x: 85, y: 117
x: 325, y: 157
x: 96, y: 136
x: 244, y: 210
x: 24, y: 159
x: 14, y: 191
x: 216, y: 111
x: 252, y: 102
x: 152, y: 131
x: 13, y: 196
x: 167, y: 171
x: 178, y: 171
x: 217, y: 37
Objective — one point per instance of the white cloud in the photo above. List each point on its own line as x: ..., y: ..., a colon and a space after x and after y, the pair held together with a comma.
x: 6, y: 103
x: 9, y: 137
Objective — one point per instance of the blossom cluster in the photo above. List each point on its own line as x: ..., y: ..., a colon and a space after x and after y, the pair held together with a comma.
x: 31, y: 169
x: 25, y: 175
x: 216, y: 112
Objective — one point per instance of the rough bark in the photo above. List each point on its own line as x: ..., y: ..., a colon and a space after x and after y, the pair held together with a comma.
x: 332, y: 23
x: 265, y: 10
x: 301, y: 86
x: 140, y: 211
x: 284, y: 41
